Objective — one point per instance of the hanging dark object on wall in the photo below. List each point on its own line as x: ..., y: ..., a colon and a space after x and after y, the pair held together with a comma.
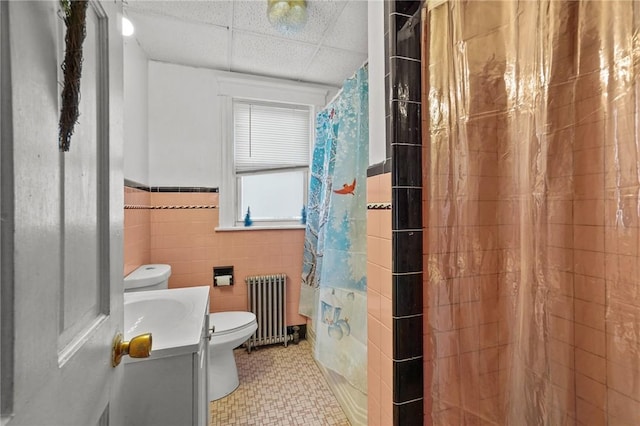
x: 75, y: 12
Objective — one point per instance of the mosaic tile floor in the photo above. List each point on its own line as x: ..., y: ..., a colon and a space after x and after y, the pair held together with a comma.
x: 278, y: 387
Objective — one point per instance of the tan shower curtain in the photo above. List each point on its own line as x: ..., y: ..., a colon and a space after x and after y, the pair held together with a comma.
x: 533, y: 177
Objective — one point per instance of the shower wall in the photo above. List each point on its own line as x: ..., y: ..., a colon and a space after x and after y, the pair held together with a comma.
x: 532, y: 212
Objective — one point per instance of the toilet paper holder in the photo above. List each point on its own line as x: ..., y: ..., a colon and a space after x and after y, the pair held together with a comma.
x: 221, y: 273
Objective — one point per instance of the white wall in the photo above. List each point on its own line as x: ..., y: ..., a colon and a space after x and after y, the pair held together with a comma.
x: 184, y: 136
x: 377, y: 135
x: 187, y: 121
x: 136, y: 140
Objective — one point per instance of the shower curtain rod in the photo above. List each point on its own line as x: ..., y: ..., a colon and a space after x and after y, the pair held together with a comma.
x: 365, y: 63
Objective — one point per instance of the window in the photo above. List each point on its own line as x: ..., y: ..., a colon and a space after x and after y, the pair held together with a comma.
x: 271, y: 122
x: 271, y: 160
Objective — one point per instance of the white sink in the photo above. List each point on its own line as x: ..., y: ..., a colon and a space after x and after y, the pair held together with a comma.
x: 170, y: 387
x: 174, y: 317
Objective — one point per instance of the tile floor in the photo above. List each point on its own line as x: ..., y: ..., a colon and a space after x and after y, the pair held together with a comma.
x: 278, y: 387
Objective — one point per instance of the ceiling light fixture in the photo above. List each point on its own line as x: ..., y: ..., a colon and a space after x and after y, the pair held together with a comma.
x: 287, y: 16
x: 127, y: 27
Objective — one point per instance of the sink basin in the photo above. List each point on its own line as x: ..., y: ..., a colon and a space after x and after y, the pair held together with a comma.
x: 156, y: 314
x: 174, y: 317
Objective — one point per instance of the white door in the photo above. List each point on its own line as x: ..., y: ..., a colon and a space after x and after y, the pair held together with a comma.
x: 62, y: 220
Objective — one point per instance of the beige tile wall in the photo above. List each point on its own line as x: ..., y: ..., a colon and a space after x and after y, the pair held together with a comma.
x: 379, y: 308
x: 186, y: 239
x: 137, y: 235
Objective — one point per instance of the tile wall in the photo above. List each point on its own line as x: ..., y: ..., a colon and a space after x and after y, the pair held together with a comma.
x: 399, y: 240
x: 137, y: 234
x: 379, y: 302
x: 405, y: 139
x: 186, y: 239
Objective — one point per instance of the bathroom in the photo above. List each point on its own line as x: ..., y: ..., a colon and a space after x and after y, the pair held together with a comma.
x: 518, y: 280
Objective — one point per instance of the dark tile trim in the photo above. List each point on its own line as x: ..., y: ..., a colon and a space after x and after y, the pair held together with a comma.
x: 135, y: 185
x: 409, y: 413
x: 387, y: 55
x: 171, y: 207
x: 408, y: 42
x: 403, y: 76
x: 389, y: 127
x: 403, y: 119
x: 390, y: 41
x: 388, y: 165
x: 406, y: 250
x: 182, y: 189
x: 378, y: 206
x: 410, y: 216
x: 375, y: 169
x: 408, y: 380
x: 379, y: 168
x: 407, y: 293
x: 410, y: 156
x: 404, y: 7
x: 398, y: 21
x: 407, y: 337
x: 406, y: 119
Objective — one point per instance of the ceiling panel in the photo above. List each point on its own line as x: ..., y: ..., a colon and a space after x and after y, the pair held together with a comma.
x: 351, y: 29
x: 329, y: 49
x: 209, y: 12
x: 172, y: 40
x: 260, y: 55
x: 332, y: 66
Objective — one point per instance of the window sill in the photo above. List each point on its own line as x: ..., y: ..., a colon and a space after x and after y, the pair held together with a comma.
x: 258, y: 228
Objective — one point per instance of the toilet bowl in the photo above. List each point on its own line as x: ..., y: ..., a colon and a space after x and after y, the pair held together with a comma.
x: 230, y: 329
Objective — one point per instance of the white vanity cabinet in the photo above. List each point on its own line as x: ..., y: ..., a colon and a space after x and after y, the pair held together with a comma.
x: 170, y: 387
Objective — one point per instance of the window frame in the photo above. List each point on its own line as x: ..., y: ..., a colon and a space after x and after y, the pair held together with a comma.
x: 270, y: 222
x: 239, y: 220
x: 259, y: 90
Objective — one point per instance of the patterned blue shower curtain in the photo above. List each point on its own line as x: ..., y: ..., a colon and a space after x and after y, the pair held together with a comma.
x: 333, y: 290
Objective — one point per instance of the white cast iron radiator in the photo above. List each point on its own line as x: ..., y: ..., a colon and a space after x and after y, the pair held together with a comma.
x: 268, y: 300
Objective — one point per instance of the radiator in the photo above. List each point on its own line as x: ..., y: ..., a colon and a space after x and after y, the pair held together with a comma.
x: 268, y: 300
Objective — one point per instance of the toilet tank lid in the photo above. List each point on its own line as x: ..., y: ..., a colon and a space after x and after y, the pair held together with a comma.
x: 147, y: 275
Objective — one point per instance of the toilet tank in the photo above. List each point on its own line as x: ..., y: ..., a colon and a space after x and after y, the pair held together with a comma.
x: 148, y: 277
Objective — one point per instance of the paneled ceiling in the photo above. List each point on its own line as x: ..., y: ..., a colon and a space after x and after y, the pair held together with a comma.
x: 237, y: 36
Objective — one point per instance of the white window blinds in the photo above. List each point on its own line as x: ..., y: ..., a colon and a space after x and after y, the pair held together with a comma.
x: 270, y: 137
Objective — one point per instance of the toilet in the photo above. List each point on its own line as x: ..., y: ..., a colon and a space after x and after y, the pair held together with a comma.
x: 230, y: 329
x: 148, y: 277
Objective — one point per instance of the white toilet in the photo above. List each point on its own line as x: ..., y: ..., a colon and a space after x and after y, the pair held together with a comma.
x: 230, y: 329
x: 148, y: 277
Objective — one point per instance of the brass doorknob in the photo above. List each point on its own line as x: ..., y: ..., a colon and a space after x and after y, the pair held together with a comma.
x: 138, y: 347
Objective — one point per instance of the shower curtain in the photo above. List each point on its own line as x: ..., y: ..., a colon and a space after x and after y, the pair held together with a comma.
x: 333, y: 292
x: 533, y: 176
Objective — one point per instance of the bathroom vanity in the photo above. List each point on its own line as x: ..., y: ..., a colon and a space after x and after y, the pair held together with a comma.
x: 170, y: 387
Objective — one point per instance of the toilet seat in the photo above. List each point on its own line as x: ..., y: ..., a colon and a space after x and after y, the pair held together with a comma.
x: 230, y: 322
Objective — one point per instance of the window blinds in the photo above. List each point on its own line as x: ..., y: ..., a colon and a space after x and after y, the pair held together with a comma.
x: 270, y: 137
